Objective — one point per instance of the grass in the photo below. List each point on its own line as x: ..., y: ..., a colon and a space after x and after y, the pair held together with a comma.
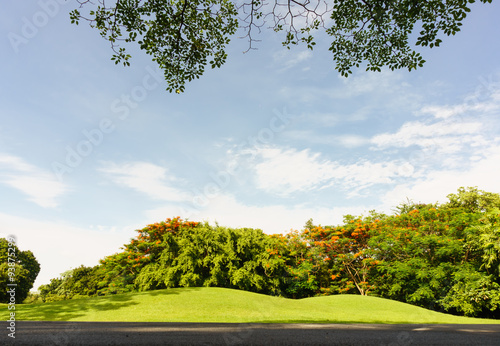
x: 210, y: 304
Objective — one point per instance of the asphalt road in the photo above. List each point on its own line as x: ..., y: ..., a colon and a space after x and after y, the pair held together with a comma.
x: 132, y: 333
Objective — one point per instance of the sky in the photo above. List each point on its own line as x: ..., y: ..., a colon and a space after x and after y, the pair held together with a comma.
x: 91, y: 151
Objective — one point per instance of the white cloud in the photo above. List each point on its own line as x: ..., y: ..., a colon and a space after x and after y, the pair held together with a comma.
x: 368, y: 83
x: 42, y: 189
x: 472, y: 103
x: 288, y: 59
x: 364, y: 95
x: 352, y: 141
x: 41, y: 186
x: 15, y: 163
x: 447, y: 138
x: 146, y: 178
x: 453, y: 146
x: 437, y: 184
x: 347, y: 141
x: 285, y: 171
x: 442, y: 112
x: 442, y: 133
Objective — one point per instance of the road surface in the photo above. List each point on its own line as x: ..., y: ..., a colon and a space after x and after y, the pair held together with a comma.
x: 34, y: 333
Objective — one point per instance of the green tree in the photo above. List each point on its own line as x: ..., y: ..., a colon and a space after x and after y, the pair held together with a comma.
x: 484, y: 237
x: 177, y: 253
x: 53, y: 291
x: 419, y: 251
x: 83, y: 281
x: 212, y: 256
x: 474, y: 293
x: 184, y: 36
x: 26, y: 269
x: 78, y: 282
x: 303, y: 269
x: 473, y: 200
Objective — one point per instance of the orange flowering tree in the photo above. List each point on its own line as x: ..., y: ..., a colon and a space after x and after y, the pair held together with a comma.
x: 346, y: 260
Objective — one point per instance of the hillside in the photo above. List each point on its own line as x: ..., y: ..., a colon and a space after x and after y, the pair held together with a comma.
x: 209, y: 304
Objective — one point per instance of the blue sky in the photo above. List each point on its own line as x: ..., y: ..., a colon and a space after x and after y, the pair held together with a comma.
x: 90, y: 151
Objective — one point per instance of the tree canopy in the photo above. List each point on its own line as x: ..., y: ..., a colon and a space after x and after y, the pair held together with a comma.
x: 185, y: 36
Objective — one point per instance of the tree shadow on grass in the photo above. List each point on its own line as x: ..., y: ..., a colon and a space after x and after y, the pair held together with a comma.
x: 67, y: 310
x: 169, y: 291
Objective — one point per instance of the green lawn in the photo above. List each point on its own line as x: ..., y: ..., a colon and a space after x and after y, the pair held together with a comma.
x: 211, y: 304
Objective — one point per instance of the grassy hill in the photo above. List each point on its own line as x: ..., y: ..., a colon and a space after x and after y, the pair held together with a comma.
x: 210, y: 304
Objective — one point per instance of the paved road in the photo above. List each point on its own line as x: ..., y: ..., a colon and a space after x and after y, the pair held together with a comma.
x: 232, y: 334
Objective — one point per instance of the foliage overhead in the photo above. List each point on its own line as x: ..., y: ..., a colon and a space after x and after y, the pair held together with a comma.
x: 444, y: 257
x: 184, y: 36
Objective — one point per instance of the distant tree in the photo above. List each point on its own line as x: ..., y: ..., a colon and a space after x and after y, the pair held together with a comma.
x: 26, y: 270
x: 81, y: 281
x: 33, y: 298
x: 184, y: 36
x: 473, y: 200
x: 53, y: 291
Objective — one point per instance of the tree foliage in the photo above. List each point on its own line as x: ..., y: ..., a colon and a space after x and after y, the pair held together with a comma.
x: 182, y: 36
x: 378, y: 31
x: 185, y: 36
x: 201, y: 255
x: 26, y: 269
x: 79, y: 282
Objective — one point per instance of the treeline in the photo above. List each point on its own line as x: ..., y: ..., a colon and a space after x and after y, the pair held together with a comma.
x: 444, y: 257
